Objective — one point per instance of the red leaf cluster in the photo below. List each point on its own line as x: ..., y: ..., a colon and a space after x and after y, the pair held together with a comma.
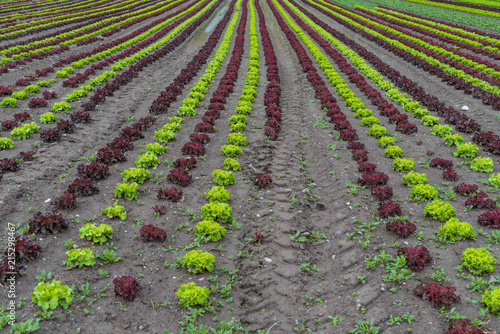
x: 132, y: 132
x: 382, y: 193
x: 47, y: 95
x: 490, y: 219
x: 186, y: 163
x: 151, y: 233
x: 406, y: 128
x: 348, y: 134
x: 355, y: 145
x: 416, y: 257
x: 201, y: 138
x: 24, y: 250
x: 450, y: 174
x: 439, y: 295
x: 22, y: 116
x: 37, y: 102
x: 173, y: 194
x: 66, y: 202
x: 5, y: 91
x: 22, y: 82
x: 360, y: 155
x: 204, y: 127
x: 80, y: 117
x: 93, y: 171
x: 481, y: 201
x: 65, y: 126
x: 462, y: 326
x: 389, y: 209
x: 370, y: 180
x: 179, y: 176
x: 441, y: 163
x: 193, y: 148
x: 50, y: 135
x: 110, y: 155
x: 8, y: 125
x: 50, y: 223
x: 9, y: 165
x: 83, y: 187
x: 466, y: 189
x: 483, y: 138
x: 121, y: 143
x: 262, y: 180
x: 403, y: 229
x: 126, y: 287
x: 366, y: 167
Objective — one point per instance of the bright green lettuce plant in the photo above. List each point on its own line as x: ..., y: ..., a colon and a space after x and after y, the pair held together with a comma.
x: 493, y: 180
x: 238, y: 127
x: 478, y: 261
x: 466, y: 150
x: 61, y: 106
x: 6, y: 143
x: 369, y: 121
x: 19, y: 95
x: 218, y: 194
x: 455, y: 139
x: 9, y: 102
x: 24, y: 131
x: 454, y: 230
x: 147, y: 160
x: 216, y: 211
x: 385, y: 141
x: 32, y: 89
x: 116, y: 210
x: 192, y: 295
x: 136, y: 175
x: 430, y: 120
x: 48, y: 118
x: 127, y: 190
x: 96, y: 234
x: 197, y: 261
x: 231, y: 151
x: 176, y: 119
x: 223, y: 178
x: 237, y: 139
x: 394, y: 152
x: 79, y: 257
x: 439, y: 210
x: 441, y: 130
x: 403, y: 164
x: 377, y: 131
x: 491, y: 298
x: 423, y: 192
x: 209, y: 230
x: 164, y: 136
x: 52, y: 295
x: 156, y: 148
x: 231, y: 164
x: 413, y: 178
x: 483, y: 165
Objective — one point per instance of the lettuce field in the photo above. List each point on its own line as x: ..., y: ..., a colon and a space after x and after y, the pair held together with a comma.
x: 250, y: 166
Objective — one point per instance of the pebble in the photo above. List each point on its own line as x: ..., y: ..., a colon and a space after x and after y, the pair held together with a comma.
x: 47, y: 200
x: 465, y: 108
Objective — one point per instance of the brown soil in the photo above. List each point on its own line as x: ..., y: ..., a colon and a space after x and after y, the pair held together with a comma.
x: 282, y: 286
